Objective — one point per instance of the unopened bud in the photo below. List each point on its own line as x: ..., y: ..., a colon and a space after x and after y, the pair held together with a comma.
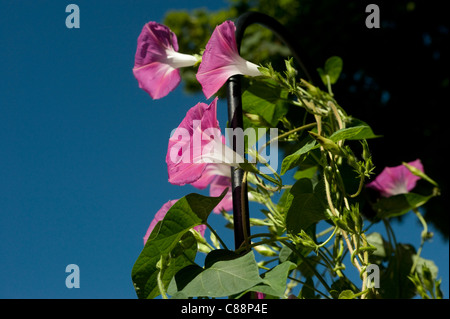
x: 311, y: 88
x: 366, y: 152
x: 265, y: 251
x: 257, y: 120
x: 327, y: 144
x: 420, y: 174
x: 291, y: 72
x: 215, y: 241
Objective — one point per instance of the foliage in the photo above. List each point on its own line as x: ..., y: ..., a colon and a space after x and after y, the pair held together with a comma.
x: 315, y: 212
x: 391, y: 82
x: 331, y: 153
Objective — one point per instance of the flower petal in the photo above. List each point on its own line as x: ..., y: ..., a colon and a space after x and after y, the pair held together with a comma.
x: 210, y: 173
x: 157, y: 61
x: 218, y: 185
x: 396, y: 180
x: 152, y: 44
x: 157, y: 79
x: 221, y: 60
x: 186, y: 144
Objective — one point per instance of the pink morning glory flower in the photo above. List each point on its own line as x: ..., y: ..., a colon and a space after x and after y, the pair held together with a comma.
x: 160, y: 216
x: 221, y: 60
x: 196, y: 143
x: 197, y: 154
x: 396, y: 180
x: 157, y: 61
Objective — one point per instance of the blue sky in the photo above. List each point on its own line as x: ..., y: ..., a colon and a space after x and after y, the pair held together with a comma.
x: 82, y: 148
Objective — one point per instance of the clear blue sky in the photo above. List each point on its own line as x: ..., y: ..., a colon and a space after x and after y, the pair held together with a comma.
x: 82, y: 148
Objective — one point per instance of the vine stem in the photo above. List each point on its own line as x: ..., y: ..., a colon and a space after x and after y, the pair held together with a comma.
x: 329, y: 238
x: 326, y: 231
x: 354, y: 252
x: 360, y: 187
x: 297, y: 129
x: 423, y: 238
x: 328, y: 194
x: 305, y: 260
x: 308, y: 286
x: 161, y: 286
x: 364, y: 275
x: 262, y: 242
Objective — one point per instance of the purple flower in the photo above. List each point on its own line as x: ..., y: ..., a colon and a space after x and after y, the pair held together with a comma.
x: 221, y: 60
x: 157, y: 61
x: 396, y: 180
x: 196, y: 143
x: 160, y: 216
x: 197, y: 154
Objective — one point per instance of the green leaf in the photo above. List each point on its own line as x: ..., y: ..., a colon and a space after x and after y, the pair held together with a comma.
x: 308, y: 172
x: 274, y: 281
x: 181, y: 256
x: 219, y: 255
x: 265, y: 98
x: 383, y: 248
x: 224, y: 278
x: 333, y: 68
x: 294, y: 159
x: 426, y: 269
x: 182, y: 278
x: 276, y: 278
x: 347, y: 294
x: 425, y: 278
x: 302, y: 186
x: 343, y: 284
x: 188, y: 212
x: 394, y: 281
x: 285, y: 253
x: 361, y: 132
x: 306, y: 207
x: 307, y: 291
x: 399, y: 204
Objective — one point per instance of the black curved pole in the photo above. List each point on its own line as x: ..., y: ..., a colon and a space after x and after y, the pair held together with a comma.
x: 235, y: 119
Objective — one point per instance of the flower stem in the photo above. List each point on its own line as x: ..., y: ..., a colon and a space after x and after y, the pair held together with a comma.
x: 326, y: 231
x: 217, y: 236
x: 423, y: 238
x: 360, y: 187
x: 297, y: 129
x: 262, y: 242
x: 308, y: 286
x: 161, y: 286
x: 329, y: 238
x: 305, y: 260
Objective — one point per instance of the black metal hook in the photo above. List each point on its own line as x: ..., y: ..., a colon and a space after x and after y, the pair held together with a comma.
x: 234, y: 99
